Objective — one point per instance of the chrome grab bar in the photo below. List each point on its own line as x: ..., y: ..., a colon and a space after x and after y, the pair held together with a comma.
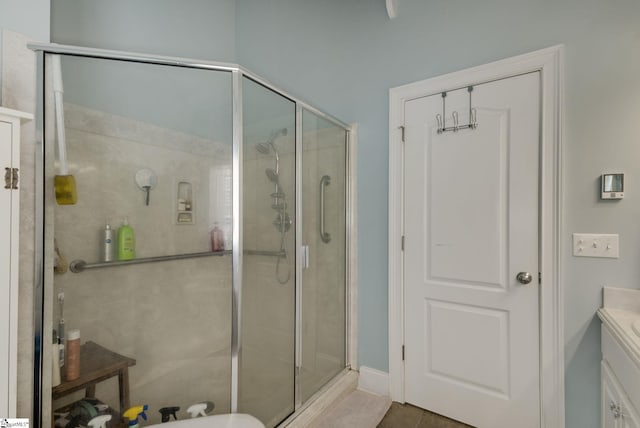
x: 325, y: 236
x: 79, y: 265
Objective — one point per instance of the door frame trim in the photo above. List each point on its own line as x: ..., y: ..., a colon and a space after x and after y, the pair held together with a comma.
x: 549, y: 62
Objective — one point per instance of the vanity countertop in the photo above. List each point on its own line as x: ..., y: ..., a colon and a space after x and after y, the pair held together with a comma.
x: 620, y: 312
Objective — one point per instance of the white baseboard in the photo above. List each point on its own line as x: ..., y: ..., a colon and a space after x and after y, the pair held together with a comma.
x: 375, y: 381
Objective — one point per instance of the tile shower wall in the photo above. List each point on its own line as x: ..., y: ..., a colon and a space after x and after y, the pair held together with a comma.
x: 173, y: 317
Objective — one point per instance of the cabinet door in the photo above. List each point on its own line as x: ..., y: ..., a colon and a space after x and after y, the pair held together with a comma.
x: 629, y: 418
x: 9, y: 242
x: 610, y: 398
x: 5, y: 268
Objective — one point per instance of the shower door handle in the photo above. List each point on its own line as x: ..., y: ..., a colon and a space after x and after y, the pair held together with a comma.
x: 324, y: 182
x: 304, y: 254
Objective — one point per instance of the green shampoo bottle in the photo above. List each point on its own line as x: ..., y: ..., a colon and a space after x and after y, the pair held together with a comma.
x: 126, y: 241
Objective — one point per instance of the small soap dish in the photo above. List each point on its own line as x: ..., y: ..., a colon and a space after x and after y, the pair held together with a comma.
x: 184, y: 203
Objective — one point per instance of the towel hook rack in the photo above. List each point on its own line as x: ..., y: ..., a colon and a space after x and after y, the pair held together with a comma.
x: 440, y: 119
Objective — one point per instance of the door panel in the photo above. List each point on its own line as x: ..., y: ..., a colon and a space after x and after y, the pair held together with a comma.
x: 481, y: 338
x: 471, y: 224
x: 449, y: 236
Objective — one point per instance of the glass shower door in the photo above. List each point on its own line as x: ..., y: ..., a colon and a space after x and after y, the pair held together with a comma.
x: 267, y: 352
x: 323, y: 290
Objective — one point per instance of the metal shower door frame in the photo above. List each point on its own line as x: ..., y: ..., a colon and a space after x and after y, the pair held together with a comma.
x: 237, y: 74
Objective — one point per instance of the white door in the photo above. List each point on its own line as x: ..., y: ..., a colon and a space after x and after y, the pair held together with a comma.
x: 471, y: 225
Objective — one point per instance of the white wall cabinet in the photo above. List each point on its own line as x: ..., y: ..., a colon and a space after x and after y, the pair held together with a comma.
x: 10, y: 121
x: 620, y: 380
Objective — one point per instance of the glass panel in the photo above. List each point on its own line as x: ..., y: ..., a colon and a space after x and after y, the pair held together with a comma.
x: 267, y: 361
x: 323, y: 282
x: 152, y: 144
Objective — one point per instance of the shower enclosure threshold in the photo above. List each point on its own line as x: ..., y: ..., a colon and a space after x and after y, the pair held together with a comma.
x: 337, y: 388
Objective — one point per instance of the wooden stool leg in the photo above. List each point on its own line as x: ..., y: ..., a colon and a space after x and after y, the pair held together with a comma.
x: 123, y: 385
x: 90, y: 391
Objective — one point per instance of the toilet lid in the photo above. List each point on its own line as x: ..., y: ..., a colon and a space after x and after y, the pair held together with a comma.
x: 232, y: 420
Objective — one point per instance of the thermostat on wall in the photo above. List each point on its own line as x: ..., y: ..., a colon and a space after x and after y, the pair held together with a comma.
x: 612, y: 186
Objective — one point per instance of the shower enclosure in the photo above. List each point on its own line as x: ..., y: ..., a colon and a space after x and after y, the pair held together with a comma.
x: 237, y: 196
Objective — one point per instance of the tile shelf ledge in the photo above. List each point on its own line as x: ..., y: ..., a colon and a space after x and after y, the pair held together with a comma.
x: 79, y: 265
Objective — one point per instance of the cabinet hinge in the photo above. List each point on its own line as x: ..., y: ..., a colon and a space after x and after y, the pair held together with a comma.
x: 402, y: 352
x: 402, y: 129
x: 11, y: 178
x: 539, y: 278
x: 402, y: 243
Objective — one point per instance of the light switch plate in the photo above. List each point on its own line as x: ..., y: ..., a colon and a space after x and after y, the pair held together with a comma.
x: 596, y: 245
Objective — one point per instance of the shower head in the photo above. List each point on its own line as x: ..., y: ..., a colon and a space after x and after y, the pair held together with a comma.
x: 266, y: 147
x: 263, y: 148
x: 273, y: 175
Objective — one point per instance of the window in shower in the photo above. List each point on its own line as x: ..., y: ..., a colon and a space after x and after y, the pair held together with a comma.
x: 168, y: 322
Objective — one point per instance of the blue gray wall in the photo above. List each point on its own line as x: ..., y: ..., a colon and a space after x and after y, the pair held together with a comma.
x: 203, y: 29
x: 343, y: 56
x: 28, y: 17
x: 200, y: 29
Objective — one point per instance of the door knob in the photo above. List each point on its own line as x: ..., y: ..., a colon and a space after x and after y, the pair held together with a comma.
x: 524, y: 277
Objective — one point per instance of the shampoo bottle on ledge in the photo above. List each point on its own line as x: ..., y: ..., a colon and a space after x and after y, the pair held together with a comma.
x: 108, y: 244
x: 217, y: 240
x: 126, y: 242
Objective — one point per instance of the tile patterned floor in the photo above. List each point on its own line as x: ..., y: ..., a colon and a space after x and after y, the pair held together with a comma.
x: 408, y: 416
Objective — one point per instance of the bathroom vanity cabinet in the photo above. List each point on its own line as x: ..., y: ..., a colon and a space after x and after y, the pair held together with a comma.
x: 618, y: 410
x: 620, y: 365
x: 10, y: 121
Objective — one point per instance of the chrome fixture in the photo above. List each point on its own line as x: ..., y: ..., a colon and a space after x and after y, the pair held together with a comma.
x: 268, y: 146
x: 524, y: 277
x: 79, y: 265
x: 440, y: 119
x: 283, y: 220
x: 324, y: 235
x: 273, y: 176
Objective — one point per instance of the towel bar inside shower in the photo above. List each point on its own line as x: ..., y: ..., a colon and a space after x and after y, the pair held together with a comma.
x: 80, y: 265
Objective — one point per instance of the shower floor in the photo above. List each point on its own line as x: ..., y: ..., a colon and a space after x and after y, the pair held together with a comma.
x: 267, y: 385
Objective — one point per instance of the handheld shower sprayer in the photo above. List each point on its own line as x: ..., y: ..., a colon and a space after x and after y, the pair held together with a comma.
x: 268, y: 146
x: 283, y: 220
